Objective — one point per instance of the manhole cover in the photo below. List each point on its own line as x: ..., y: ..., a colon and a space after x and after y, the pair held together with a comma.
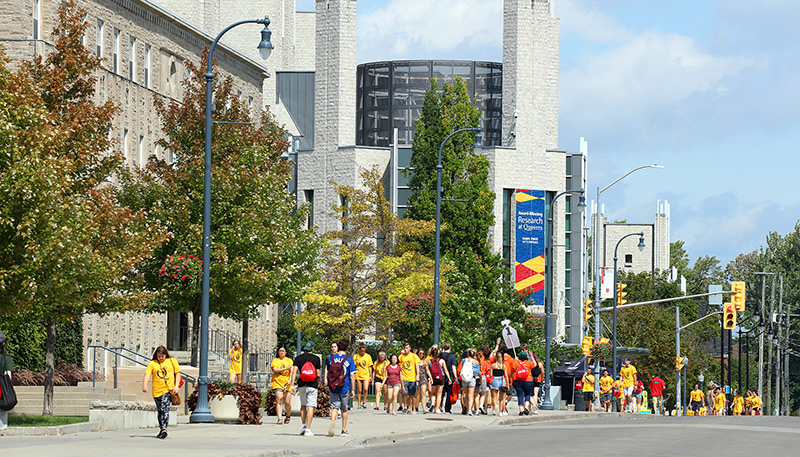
x: 438, y: 419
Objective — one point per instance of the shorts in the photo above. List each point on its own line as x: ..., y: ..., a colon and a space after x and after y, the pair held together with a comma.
x: 481, y: 386
x: 588, y: 397
x: 411, y: 387
x: 498, y: 382
x: 439, y: 382
x: 468, y: 384
x: 537, y: 384
x: 378, y: 380
x: 637, y: 395
x: 628, y: 391
x: 340, y: 401
x: 278, y: 389
x: 308, y: 396
x: 392, y: 386
x: 608, y: 396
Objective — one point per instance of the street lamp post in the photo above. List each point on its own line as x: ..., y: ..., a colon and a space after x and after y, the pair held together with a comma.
x: 616, y: 295
x: 547, y: 404
x: 439, y: 225
x: 202, y: 413
x: 596, y: 266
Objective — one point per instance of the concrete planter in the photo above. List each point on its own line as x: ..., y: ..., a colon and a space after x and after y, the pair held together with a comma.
x: 225, y: 408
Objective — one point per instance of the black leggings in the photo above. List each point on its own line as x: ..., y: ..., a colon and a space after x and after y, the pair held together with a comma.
x: 162, y: 407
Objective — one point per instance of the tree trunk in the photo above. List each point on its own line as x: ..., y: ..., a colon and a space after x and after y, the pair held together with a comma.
x: 196, y: 333
x: 49, y: 368
x: 245, y: 353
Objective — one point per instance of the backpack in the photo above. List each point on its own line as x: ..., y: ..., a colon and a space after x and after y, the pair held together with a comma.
x: 309, y: 372
x: 536, y: 371
x: 436, y: 371
x: 336, y: 374
x: 467, y: 374
x: 8, y: 398
x: 522, y: 372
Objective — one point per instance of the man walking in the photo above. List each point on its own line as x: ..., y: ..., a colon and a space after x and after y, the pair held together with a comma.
x: 341, y: 380
x: 606, y: 396
x: 657, y: 386
x: 409, y: 363
x: 629, y: 379
x: 363, y: 374
x: 308, y: 366
x: 588, y: 390
x: 450, y: 376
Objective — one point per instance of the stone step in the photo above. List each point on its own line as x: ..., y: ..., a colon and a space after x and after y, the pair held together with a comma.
x: 69, y: 396
x: 57, y: 411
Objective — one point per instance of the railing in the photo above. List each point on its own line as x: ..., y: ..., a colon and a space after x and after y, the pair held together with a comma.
x: 117, y: 352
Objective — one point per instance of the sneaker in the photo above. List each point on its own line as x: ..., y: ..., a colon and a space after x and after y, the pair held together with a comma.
x: 308, y: 433
x: 469, y: 413
x: 163, y: 434
x: 527, y: 412
x: 535, y: 411
x: 345, y: 433
x: 339, y: 415
x: 331, y: 428
x: 303, y: 429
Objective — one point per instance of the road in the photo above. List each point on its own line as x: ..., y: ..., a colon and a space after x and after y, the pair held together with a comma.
x: 613, y: 436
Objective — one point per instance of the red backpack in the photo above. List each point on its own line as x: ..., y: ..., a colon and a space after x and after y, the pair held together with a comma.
x: 309, y: 372
x: 336, y: 374
x: 522, y: 372
x: 436, y: 371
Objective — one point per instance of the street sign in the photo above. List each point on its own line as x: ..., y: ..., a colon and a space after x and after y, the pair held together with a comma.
x: 715, y: 299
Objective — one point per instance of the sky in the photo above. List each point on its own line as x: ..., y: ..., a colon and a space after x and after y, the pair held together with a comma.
x: 708, y: 89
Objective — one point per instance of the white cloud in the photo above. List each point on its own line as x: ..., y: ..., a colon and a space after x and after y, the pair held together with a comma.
x: 423, y: 29
x: 589, y: 24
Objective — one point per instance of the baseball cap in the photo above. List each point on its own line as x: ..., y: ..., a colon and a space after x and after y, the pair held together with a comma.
x: 309, y: 346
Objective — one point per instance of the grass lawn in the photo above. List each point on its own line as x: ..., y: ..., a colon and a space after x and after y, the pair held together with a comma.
x: 20, y: 420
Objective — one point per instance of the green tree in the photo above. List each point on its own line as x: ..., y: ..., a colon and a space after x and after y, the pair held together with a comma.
x: 371, y: 266
x: 260, y: 252
x: 68, y: 245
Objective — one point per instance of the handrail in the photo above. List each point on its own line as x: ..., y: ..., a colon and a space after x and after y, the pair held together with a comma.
x: 117, y: 353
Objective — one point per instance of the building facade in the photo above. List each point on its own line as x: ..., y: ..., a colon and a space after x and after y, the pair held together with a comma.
x: 653, y: 258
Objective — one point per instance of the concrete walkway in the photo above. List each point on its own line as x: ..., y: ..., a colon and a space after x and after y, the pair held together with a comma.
x: 366, y: 427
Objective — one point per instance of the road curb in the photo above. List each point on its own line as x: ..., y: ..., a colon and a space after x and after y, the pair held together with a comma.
x: 69, y: 429
x: 394, y: 438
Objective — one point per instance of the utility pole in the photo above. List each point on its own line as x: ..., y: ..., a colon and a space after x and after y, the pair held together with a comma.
x: 768, y: 400
x: 778, y: 361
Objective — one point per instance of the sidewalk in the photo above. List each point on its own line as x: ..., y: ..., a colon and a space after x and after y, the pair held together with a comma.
x: 366, y: 427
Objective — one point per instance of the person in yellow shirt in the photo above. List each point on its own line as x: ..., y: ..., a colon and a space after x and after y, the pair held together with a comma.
x: 697, y: 397
x: 409, y: 363
x: 757, y: 403
x: 619, y: 395
x: 235, y: 356
x: 629, y: 380
x: 363, y: 374
x: 281, y: 367
x: 719, y: 402
x: 588, y: 390
x: 378, y: 377
x: 738, y: 404
x: 748, y: 403
x: 606, y: 382
x: 703, y: 410
x: 166, y: 375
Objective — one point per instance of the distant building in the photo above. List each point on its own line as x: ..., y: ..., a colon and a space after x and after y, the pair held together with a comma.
x: 654, y: 257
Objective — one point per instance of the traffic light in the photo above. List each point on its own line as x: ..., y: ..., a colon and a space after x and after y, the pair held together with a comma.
x: 737, y: 298
x: 604, y: 341
x: 587, y: 310
x: 621, y: 294
x: 586, y: 345
x: 729, y: 317
x: 680, y: 362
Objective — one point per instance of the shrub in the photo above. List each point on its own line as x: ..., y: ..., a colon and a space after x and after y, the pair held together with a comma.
x: 65, y: 375
x: 323, y: 403
x: 249, y: 399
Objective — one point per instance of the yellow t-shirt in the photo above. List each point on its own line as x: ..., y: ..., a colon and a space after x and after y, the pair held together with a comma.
x: 236, y: 362
x: 380, y: 369
x: 621, y: 393
x: 738, y: 404
x: 408, y: 362
x: 362, y: 366
x: 719, y: 402
x: 588, y: 383
x: 605, y: 384
x: 703, y: 410
x: 748, y: 401
x: 697, y: 395
x: 281, y: 378
x: 627, y: 375
x: 163, y: 375
x: 757, y: 402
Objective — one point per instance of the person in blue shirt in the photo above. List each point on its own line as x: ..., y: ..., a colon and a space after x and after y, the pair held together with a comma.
x: 340, y: 398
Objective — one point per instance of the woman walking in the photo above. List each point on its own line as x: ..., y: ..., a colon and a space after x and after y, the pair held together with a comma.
x: 523, y: 383
x: 281, y: 367
x: 469, y: 369
x: 499, y: 384
x: 436, y: 369
x: 423, y: 384
x: 166, y: 375
x: 481, y: 387
x: 394, y: 384
x: 538, y: 376
x: 378, y: 378
x: 235, y: 356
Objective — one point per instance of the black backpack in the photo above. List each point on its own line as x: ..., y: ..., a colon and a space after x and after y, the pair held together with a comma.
x: 8, y: 398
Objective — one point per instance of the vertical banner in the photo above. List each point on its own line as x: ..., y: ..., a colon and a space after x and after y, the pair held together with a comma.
x: 606, y: 283
x: 530, y: 243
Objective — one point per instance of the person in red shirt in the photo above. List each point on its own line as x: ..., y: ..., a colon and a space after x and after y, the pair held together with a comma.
x: 657, y: 386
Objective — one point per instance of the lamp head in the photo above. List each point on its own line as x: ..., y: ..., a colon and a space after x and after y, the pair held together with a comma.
x: 582, y: 201
x: 265, y: 46
x: 479, y: 140
x: 641, y: 242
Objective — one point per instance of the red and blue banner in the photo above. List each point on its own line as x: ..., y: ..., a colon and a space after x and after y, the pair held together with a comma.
x: 530, y: 243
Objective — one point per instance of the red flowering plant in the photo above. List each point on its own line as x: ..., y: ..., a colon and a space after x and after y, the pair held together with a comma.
x: 416, y: 325
x: 181, y: 277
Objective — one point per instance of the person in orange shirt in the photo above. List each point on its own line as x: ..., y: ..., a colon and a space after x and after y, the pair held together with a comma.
x: 482, y: 386
x: 523, y: 383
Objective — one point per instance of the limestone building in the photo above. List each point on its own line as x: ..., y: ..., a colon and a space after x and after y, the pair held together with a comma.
x: 653, y: 258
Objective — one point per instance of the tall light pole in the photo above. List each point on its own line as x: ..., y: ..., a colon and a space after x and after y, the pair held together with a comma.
x: 547, y: 404
x: 616, y: 295
x: 438, y: 228
x: 202, y: 413
x: 596, y: 265
x: 761, y: 333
